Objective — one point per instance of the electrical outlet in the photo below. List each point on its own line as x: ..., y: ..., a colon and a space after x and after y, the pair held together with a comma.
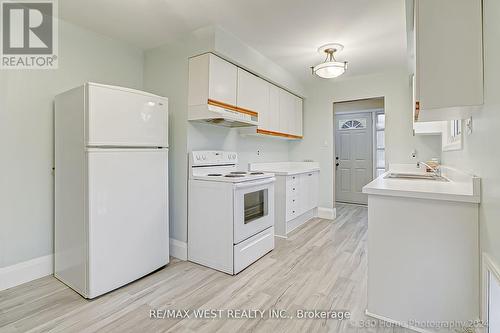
x: 468, y: 126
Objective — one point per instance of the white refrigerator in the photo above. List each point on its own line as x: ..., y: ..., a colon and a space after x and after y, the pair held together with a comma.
x: 111, y: 187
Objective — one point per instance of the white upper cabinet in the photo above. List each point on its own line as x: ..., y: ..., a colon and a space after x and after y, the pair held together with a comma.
x: 423, y: 127
x: 284, y: 117
x: 287, y: 112
x: 298, y: 117
x: 223, y: 79
x: 227, y: 88
x: 253, y: 95
x: 273, y: 118
x: 446, y: 37
x: 212, y: 78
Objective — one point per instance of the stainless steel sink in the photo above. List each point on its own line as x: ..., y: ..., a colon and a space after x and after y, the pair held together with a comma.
x: 424, y: 176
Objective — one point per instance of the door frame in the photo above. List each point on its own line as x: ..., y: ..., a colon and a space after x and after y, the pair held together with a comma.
x: 373, y: 111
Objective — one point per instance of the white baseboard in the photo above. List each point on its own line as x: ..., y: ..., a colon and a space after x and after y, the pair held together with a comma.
x: 26, y: 271
x: 488, y: 267
x: 178, y: 249
x: 327, y: 213
x: 396, y: 323
x: 298, y: 221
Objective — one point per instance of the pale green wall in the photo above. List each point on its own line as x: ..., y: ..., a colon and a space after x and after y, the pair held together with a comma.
x: 481, y: 153
x: 166, y: 73
x: 319, y: 143
x: 26, y: 133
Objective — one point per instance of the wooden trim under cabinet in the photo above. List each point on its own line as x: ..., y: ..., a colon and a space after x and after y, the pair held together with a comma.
x: 284, y: 135
x: 232, y: 107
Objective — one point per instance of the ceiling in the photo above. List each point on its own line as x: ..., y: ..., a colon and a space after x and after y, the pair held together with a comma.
x: 286, y: 31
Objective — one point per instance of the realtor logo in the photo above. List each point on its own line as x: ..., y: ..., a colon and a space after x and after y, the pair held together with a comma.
x: 29, y: 34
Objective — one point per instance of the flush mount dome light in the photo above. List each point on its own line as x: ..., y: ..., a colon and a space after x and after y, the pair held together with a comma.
x: 330, y: 68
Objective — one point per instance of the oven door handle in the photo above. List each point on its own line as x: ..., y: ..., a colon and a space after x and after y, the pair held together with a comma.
x: 254, y: 183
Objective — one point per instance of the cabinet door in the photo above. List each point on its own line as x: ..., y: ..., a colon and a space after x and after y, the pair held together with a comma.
x: 273, y: 117
x: 308, y: 191
x: 449, y: 54
x: 287, y: 112
x: 223, y: 78
x: 253, y: 95
x: 304, y: 193
x: 313, y: 181
x: 298, y: 117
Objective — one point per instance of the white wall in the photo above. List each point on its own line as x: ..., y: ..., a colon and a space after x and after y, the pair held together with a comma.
x: 318, y: 143
x: 166, y: 73
x: 26, y: 133
x: 481, y: 153
x: 494, y: 305
x: 231, y: 48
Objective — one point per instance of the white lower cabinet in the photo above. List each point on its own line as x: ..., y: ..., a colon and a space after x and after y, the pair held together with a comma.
x: 296, y: 198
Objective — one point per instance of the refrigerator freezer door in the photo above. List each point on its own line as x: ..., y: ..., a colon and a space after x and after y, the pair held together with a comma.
x: 125, y: 117
x: 128, y: 216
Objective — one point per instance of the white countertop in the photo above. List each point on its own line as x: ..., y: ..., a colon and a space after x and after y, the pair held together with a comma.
x: 461, y: 186
x: 285, y: 168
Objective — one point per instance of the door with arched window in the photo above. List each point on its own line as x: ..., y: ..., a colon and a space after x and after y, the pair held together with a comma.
x: 353, y: 156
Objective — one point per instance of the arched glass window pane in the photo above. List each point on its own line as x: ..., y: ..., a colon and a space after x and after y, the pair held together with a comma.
x: 352, y: 124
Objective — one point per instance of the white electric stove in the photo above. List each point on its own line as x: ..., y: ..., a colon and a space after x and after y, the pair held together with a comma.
x: 230, y: 212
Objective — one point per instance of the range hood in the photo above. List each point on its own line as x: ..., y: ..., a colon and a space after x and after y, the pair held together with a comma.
x: 222, y: 114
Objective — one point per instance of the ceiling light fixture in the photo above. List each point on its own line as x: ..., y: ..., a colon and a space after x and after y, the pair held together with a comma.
x: 330, y: 68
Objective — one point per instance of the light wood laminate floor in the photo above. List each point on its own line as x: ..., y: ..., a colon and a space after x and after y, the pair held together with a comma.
x: 322, y: 265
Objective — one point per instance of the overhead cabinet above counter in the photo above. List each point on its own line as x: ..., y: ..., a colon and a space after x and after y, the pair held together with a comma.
x: 221, y: 93
x: 446, y: 56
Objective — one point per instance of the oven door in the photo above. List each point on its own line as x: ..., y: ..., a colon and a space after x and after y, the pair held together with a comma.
x: 253, y: 208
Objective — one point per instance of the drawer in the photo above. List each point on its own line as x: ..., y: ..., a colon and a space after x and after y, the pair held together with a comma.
x: 292, y: 202
x: 292, y: 189
x: 293, y: 179
x: 291, y: 214
x: 291, y: 209
x: 248, y: 251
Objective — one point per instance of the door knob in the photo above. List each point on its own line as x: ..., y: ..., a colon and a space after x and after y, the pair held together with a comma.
x: 337, y: 158
x: 337, y: 164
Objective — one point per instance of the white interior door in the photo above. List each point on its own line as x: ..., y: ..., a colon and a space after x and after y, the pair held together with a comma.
x: 128, y: 215
x: 353, y: 156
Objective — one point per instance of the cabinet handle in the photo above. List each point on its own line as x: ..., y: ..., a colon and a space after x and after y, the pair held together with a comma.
x: 293, y: 189
x: 310, y: 174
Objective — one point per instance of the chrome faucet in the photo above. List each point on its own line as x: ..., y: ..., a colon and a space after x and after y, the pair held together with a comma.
x: 435, y: 171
